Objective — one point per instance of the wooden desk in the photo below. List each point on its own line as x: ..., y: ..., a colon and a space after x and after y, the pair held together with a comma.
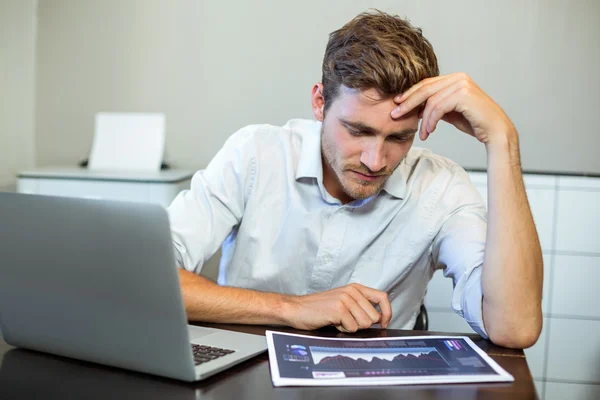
x: 26, y: 374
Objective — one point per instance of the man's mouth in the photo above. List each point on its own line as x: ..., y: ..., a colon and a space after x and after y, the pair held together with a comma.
x: 366, y: 177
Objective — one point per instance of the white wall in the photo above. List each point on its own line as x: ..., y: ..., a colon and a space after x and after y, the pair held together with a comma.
x: 213, y: 67
x: 17, y: 87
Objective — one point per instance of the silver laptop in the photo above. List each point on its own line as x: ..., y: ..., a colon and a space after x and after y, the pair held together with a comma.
x: 96, y: 280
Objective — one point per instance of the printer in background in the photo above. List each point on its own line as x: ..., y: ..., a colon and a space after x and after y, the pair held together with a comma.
x: 125, y: 164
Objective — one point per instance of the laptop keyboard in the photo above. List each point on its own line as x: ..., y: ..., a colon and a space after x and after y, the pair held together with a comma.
x: 203, y: 354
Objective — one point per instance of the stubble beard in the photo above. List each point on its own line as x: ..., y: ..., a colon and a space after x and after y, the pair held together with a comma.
x: 355, y: 188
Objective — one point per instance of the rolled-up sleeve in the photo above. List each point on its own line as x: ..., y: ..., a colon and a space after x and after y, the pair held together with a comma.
x: 203, y: 216
x: 459, y: 245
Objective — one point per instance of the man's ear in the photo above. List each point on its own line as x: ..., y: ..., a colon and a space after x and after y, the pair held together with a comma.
x: 318, y: 101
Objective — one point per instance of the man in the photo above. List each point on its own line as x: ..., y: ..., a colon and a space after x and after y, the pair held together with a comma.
x: 339, y: 222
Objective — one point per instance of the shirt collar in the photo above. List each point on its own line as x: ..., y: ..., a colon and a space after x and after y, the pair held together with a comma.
x: 310, y: 163
x: 396, y: 183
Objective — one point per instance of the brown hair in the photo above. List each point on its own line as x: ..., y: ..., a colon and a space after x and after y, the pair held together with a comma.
x: 376, y: 50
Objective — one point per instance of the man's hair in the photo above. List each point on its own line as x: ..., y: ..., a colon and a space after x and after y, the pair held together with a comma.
x: 378, y: 51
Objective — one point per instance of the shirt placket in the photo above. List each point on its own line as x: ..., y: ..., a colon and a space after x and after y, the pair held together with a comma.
x: 327, y: 260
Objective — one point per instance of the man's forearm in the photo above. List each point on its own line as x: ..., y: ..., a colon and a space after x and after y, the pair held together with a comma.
x: 513, y: 268
x: 206, y: 301
x: 348, y: 308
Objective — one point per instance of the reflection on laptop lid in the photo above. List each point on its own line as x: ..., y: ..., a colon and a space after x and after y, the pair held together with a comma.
x: 96, y: 280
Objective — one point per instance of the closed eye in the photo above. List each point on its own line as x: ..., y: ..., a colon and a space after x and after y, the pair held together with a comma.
x: 354, y: 132
x: 401, y: 139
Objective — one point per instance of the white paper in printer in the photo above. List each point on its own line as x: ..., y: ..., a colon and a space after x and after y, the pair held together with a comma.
x: 128, y: 142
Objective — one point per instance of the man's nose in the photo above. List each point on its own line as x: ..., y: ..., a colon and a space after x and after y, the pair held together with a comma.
x: 374, y: 157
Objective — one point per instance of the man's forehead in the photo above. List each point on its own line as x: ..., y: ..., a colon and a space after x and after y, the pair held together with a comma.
x: 368, y: 96
x: 370, y: 107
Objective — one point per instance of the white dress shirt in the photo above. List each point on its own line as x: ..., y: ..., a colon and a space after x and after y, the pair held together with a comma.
x: 262, y: 198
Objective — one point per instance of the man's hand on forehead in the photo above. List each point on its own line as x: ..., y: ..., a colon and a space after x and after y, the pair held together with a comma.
x: 456, y: 99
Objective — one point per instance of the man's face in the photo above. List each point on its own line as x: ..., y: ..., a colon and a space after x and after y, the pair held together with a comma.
x: 361, y: 144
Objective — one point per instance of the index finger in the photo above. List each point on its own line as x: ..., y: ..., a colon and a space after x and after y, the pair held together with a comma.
x: 401, y: 97
x: 380, y: 298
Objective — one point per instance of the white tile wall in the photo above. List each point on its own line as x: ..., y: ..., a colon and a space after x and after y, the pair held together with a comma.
x: 579, y: 182
x: 540, y: 181
x: 478, y: 178
x: 536, y: 355
x: 574, y: 350
x: 578, y: 222
x: 539, y: 387
x: 541, y: 191
x: 576, y: 286
x: 566, y: 360
x: 542, y: 202
x: 483, y: 192
x: 569, y: 391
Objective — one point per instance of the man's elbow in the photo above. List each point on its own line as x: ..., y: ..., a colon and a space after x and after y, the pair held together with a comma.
x: 521, y: 337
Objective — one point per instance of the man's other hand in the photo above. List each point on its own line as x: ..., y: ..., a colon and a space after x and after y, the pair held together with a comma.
x: 348, y: 308
x: 455, y: 99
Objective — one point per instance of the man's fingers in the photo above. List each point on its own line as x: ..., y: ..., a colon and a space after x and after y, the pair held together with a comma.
x: 436, y: 107
x: 445, y: 106
x: 348, y: 308
x: 380, y: 298
x: 422, y: 92
x: 421, y: 95
x: 365, y: 304
x: 401, y: 97
x: 360, y: 315
x: 347, y: 322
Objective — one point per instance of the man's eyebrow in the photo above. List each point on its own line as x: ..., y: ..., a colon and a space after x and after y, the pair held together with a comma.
x: 362, y: 127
